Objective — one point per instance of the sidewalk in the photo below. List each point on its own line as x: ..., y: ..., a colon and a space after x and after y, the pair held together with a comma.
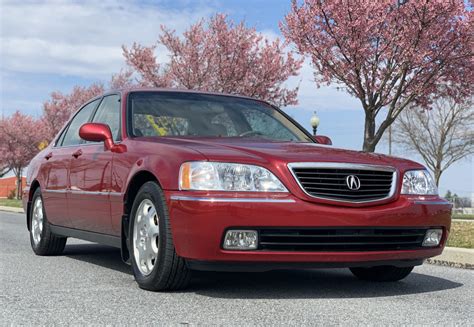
x: 11, y: 209
x: 455, y: 257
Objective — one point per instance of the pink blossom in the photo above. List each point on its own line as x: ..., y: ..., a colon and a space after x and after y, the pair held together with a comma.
x: 59, y: 108
x: 389, y: 54
x: 219, y: 56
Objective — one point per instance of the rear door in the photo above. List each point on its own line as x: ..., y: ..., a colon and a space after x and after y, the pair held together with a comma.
x: 91, y: 174
x: 56, y: 164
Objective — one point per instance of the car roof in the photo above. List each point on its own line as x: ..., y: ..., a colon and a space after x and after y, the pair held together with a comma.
x: 159, y: 89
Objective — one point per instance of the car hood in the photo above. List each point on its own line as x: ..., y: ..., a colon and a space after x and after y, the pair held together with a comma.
x: 258, y: 151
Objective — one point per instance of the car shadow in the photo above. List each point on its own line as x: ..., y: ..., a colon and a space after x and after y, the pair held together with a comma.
x: 284, y: 284
x: 97, y: 254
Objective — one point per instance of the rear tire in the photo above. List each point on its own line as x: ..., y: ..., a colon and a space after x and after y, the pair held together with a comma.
x: 156, y: 265
x: 382, y: 273
x: 43, y: 241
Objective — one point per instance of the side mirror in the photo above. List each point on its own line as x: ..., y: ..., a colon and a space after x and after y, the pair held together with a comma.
x: 321, y: 139
x: 97, y: 132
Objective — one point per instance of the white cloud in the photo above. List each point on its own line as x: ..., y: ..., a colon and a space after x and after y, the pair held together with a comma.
x: 82, y: 39
x: 321, y: 99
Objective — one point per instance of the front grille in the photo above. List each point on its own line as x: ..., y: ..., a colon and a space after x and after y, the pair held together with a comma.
x: 341, y: 239
x: 332, y: 182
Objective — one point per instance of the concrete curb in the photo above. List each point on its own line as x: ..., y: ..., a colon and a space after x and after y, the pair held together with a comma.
x: 11, y: 209
x: 455, y: 257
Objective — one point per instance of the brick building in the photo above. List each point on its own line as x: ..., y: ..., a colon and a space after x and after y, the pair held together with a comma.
x: 8, y: 185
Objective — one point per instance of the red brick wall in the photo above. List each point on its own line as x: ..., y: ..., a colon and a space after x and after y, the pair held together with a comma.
x: 8, y: 184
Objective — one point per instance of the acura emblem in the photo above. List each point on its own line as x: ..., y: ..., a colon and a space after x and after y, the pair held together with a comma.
x: 353, y: 182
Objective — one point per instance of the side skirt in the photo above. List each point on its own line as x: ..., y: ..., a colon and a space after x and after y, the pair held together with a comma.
x: 87, y: 236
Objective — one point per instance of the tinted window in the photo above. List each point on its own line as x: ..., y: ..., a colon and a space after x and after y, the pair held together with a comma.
x: 82, y: 117
x: 191, y: 114
x: 109, y: 113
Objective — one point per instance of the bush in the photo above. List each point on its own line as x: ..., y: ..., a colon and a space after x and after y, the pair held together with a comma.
x: 11, y: 195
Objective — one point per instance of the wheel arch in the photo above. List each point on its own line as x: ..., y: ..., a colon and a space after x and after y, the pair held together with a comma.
x: 34, y: 186
x: 136, y: 181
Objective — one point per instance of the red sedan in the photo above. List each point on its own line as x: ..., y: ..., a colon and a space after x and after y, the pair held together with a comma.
x: 183, y: 181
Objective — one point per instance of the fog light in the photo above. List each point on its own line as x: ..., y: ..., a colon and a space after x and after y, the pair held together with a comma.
x: 241, y: 240
x: 433, y: 237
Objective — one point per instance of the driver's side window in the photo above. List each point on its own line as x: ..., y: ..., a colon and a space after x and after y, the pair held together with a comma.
x: 109, y: 113
x: 72, y: 134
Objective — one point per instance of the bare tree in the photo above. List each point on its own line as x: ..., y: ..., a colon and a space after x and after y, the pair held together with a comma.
x: 441, y: 136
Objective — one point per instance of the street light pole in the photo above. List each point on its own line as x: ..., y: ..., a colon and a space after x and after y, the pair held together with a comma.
x: 314, y: 121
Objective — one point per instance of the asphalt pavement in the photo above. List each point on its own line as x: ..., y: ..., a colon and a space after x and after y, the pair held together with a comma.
x: 89, y: 285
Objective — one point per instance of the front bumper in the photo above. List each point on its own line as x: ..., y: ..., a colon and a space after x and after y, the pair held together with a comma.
x: 199, y: 221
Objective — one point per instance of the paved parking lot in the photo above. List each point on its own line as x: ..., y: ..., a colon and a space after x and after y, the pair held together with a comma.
x: 90, y: 285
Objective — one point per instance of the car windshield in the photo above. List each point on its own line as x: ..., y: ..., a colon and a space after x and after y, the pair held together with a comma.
x: 203, y: 115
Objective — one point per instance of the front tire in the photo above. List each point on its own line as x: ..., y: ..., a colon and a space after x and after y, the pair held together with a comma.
x: 382, y: 273
x: 156, y: 265
x: 43, y: 241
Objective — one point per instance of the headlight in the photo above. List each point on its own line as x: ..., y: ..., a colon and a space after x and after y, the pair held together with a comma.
x: 418, y: 182
x: 221, y: 176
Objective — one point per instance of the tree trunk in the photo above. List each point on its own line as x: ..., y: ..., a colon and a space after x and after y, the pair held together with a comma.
x: 369, y: 133
x: 18, y: 184
x: 437, y: 174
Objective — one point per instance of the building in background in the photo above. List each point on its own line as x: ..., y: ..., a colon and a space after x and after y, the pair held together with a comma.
x: 8, y: 186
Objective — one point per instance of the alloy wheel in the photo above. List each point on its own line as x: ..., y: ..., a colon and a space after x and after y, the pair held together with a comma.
x: 37, y: 220
x: 146, y: 236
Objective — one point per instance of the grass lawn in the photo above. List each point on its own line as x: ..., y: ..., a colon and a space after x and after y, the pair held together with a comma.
x: 459, y: 216
x: 461, y: 235
x: 11, y: 203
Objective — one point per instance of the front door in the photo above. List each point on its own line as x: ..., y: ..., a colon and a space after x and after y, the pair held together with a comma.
x: 57, y: 164
x: 91, y: 174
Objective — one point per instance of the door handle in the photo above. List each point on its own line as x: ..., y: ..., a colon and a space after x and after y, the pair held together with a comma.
x: 48, y: 156
x: 77, y: 153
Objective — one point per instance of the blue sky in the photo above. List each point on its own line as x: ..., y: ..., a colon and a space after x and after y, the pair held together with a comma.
x: 47, y: 46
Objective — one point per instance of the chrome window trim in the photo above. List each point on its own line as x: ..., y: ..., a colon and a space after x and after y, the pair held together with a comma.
x: 335, y: 165
x: 220, y: 199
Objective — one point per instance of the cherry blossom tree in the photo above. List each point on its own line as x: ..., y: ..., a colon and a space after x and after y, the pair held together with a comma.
x: 389, y: 54
x: 20, y: 136
x: 220, y: 56
x: 58, y: 109
x: 122, y: 80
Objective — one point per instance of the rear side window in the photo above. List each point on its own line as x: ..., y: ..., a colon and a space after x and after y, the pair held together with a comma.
x: 109, y: 113
x: 72, y: 135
